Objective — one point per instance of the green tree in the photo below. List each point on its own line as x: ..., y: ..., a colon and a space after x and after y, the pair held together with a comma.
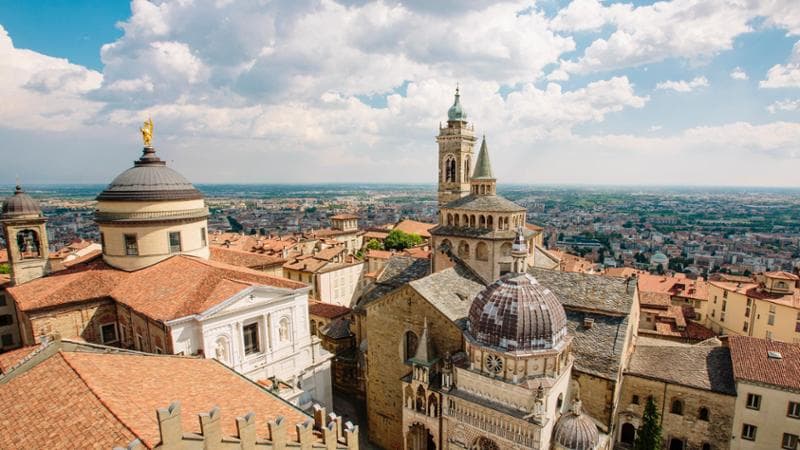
x: 5, y: 269
x: 648, y: 436
x: 374, y: 244
x: 400, y: 240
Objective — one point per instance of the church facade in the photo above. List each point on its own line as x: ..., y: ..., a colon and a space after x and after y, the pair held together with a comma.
x: 480, y: 353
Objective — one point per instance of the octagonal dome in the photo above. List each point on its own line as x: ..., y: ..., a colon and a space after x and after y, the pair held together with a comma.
x: 150, y: 180
x: 516, y: 313
x: 20, y: 204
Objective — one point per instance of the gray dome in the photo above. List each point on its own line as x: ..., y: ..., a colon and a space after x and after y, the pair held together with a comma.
x: 150, y: 179
x: 20, y: 204
x: 517, y: 313
x: 576, y: 431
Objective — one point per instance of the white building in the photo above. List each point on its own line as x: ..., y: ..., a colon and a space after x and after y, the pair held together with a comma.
x: 262, y: 332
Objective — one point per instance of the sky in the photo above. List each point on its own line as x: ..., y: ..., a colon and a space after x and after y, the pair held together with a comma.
x: 681, y: 92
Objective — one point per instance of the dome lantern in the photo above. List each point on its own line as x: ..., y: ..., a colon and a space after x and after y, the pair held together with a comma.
x: 456, y: 112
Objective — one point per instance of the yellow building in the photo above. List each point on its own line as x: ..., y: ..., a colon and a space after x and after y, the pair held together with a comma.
x: 768, y: 308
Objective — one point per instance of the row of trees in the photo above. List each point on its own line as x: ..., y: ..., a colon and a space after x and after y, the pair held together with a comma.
x: 396, y: 240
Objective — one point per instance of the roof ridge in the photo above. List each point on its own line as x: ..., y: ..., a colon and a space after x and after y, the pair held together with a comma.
x: 99, y: 399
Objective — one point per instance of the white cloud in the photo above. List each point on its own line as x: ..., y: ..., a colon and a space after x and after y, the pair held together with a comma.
x: 783, y: 105
x: 738, y: 74
x: 784, y: 75
x: 43, y: 93
x: 683, y: 86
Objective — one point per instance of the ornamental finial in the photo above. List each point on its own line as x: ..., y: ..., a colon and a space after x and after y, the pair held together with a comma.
x: 147, y: 132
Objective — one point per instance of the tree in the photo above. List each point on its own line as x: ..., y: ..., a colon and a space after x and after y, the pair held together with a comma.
x: 400, y: 240
x: 648, y: 436
x: 374, y: 244
x: 5, y: 269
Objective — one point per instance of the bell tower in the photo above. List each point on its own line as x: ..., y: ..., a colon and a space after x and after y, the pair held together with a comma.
x: 456, y: 141
x: 26, y: 237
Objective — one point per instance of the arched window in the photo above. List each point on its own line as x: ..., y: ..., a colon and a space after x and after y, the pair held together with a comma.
x: 410, y: 345
x: 221, y: 350
x: 408, y: 397
x: 706, y: 446
x: 463, y: 250
x: 449, y: 219
x: 421, y: 399
x: 28, y: 244
x: 781, y: 285
x: 489, y: 222
x: 482, y: 251
x: 482, y: 221
x: 456, y: 221
x: 703, y: 414
x: 472, y: 221
x: 450, y: 170
x: 505, y: 249
x: 677, y: 407
x: 433, y: 405
x: 465, y: 220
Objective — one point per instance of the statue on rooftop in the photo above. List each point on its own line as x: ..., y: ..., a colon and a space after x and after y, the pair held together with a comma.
x: 147, y: 132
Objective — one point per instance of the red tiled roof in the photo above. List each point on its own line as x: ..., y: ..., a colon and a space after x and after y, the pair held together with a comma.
x: 379, y: 254
x: 751, y: 361
x: 412, y: 226
x: 244, y: 259
x: 11, y: 358
x: 654, y: 299
x: 326, y: 310
x: 176, y: 287
x: 83, y: 400
x: 417, y: 252
x: 82, y: 259
x: 782, y: 275
x: 533, y: 227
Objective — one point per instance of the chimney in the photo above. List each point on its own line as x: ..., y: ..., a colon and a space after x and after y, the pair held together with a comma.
x: 588, y: 322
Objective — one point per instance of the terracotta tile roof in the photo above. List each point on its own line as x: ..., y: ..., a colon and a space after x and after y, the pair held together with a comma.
x: 58, y: 411
x: 78, y: 399
x: 417, y: 252
x: 82, y: 259
x: 327, y: 310
x: 173, y: 288
x: 654, y: 299
x: 782, y: 275
x: 379, y: 254
x: 329, y: 253
x: 678, y: 286
x: 751, y: 361
x: 11, y: 358
x: 533, y: 227
x: 344, y: 216
x: 622, y: 272
x: 412, y: 226
x: 373, y: 234
x: 240, y: 258
x: 4, y: 280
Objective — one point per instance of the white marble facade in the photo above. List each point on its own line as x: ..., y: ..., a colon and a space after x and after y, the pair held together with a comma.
x: 262, y: 332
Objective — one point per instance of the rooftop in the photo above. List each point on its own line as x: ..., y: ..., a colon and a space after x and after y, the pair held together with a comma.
x: 76, y: 390
x: 585, y: 291
x: 706, y: 367
x: 752, y: 361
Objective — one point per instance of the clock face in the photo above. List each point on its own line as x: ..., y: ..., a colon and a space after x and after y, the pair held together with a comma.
x: 494, y: 363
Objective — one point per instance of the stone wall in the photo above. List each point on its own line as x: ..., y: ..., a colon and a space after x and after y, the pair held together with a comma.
x: 687, y: 426
x: 389, y: 319
x: 81, y: 321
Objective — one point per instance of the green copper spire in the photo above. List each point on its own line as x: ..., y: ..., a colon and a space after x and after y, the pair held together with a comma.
x: 483, y: 168
x: 456, y: 112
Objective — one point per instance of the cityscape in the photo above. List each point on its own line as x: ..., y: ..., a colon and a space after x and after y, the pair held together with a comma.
x: 569, y: 225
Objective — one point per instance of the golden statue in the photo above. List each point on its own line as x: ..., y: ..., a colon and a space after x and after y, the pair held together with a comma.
x: 147, y: 132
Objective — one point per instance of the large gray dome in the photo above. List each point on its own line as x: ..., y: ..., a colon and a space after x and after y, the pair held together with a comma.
x: 20, y: 204
x: 517, y: 313
x: 576, y: 431
x: 150, y: 179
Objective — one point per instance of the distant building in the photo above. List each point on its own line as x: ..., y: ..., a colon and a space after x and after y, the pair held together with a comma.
x: 332, y: 274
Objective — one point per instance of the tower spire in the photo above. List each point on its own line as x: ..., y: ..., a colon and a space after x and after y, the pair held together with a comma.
x: 483, y: 167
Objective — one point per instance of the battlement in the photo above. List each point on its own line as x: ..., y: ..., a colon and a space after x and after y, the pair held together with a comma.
x: 325, y: 431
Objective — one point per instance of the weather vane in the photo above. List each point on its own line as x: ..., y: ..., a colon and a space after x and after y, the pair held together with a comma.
x: 147, y: 132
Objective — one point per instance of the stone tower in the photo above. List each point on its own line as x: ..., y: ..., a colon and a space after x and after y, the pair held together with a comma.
x: 456, y: 141
x: 26, y: 236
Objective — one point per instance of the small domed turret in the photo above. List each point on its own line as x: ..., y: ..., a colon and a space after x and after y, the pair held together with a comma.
x: 575, y: 431
x: 456, y: 112
x: 20, y: 204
